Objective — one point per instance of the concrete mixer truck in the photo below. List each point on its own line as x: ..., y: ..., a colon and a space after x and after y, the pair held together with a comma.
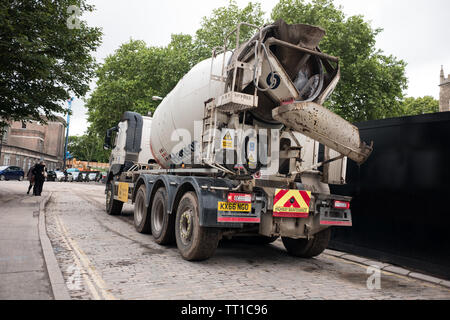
x: 241, y: 147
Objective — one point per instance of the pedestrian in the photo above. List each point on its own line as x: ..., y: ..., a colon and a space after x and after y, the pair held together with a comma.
x: 30, y: 177
x: 40, y: 173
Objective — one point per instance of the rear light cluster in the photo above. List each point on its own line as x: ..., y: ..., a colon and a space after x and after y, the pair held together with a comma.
x: 240, y: 198
x: 343, y: 205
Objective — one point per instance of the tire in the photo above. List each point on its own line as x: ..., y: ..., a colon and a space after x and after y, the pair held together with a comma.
x: 113, y: 207
x: 194, y: 242
x: 308, y: 248
x: 141, y: 212
x: 2, y: 178
x: 21, y: 178
x: 162, y: 223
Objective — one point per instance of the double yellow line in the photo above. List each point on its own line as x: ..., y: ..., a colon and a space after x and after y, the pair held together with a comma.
x: 97, y: 287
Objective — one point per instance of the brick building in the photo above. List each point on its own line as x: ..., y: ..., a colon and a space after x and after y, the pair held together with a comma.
x: 444, y: 95
x: 23, y: 144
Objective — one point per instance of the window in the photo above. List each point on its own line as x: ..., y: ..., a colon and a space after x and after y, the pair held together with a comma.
x: 7, y: 160
x: 18, y: 161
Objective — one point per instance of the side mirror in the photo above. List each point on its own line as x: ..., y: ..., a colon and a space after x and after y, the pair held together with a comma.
x: 107, y: 144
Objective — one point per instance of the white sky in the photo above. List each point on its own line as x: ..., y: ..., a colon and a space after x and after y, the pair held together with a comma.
x: 416, y: 31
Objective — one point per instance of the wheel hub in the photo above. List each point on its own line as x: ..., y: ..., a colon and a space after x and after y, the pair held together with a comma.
x: 186, y: 226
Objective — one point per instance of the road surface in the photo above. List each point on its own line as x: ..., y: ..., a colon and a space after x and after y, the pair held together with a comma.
x: 103, y: 257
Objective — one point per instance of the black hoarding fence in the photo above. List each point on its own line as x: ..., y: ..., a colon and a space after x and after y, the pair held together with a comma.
x: 401, y: 195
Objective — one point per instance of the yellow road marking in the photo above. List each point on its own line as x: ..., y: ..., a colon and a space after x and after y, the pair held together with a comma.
x: 86, y: 279
x: 90, y: 269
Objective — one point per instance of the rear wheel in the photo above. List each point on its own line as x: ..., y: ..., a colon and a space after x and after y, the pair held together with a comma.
x: 141, y: 212
x: 113, y: 207
x: 21, y: 178
x: 305, y: 248
x: 2, y: 178
x: 194, y: 242
x: 161, y: 222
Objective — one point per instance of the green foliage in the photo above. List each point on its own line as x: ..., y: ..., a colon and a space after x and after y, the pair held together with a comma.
x: 42, y: 61
x: 372, y: 84
x: 416, y: 106
x: 135, y: 73
x: 88, y: 147
x: 223, y: 20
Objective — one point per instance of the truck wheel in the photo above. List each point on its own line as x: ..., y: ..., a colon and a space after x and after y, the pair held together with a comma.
x: 308, y: 248
x: 161, y: 222
x: 194, y: 242
x: 113, y: 207
x: 141, y: 212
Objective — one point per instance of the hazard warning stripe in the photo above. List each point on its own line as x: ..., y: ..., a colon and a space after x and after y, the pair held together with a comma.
x: 305, y: 197
x: 256, y: 220
x: 279, y: 195
x: 292, y: 198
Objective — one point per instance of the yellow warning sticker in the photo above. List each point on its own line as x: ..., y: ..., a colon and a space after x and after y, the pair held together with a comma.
x: 122, y: 192
x: 228, y: 139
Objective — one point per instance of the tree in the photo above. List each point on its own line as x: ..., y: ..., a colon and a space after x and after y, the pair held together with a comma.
x: 372, y: 83
x: 416, y: 106
x: 88, y: 147
x: 132, y: 75
x: 43, y: 61
x: 222, y: 21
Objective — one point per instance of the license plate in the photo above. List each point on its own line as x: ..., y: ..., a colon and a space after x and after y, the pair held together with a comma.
x: 234, y: 207
x: 291, y: 203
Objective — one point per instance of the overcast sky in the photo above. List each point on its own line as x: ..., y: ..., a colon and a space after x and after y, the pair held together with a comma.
x: 416, y: 31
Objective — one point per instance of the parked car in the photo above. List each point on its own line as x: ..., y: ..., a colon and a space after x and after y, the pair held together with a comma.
x: 60, y: 176
x: 95, y: 176
x: 75, y: 175
x: 73, y: 172
x: 83, y: 177
x: 51, y: 176
x: 11, y: 173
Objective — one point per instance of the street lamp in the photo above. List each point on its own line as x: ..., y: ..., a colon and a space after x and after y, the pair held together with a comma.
x: 67, y: 131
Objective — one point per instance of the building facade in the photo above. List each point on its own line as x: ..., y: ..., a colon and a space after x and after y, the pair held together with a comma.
x: 444, y: 95
x: 23, y: 144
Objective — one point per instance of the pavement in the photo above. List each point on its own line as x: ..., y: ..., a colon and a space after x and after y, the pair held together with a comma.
x: 73, y: 250
x: 23, y: 272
